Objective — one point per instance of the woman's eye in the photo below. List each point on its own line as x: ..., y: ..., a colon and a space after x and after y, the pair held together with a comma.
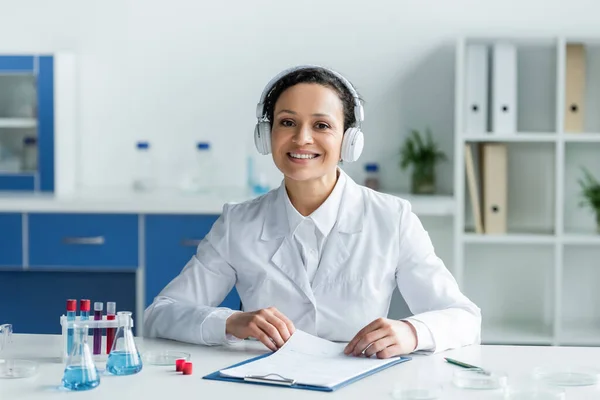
x: 286, y: 122
x: 322, y: 125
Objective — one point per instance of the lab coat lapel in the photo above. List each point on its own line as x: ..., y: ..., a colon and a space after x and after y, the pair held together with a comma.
x: 349, y: 222
x: 286, y: 257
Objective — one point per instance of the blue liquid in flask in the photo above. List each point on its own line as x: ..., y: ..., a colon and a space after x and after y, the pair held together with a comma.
x: 123, y: 363
x: 80, y: 372
x: 80, y: 378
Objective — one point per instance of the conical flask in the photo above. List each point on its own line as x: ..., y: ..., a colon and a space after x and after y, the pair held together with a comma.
x: 81, y: 372
x: 124, y: 358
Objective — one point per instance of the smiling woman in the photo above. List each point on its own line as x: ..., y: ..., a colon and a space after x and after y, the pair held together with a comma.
x: 320, y: 253
x: 306, y: 141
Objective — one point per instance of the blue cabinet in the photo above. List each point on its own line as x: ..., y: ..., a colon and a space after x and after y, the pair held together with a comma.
x: 11, y: 243
x: 27, y: 123
x: 33, y: 301
x: 171, y: 241
x: 83, y: 241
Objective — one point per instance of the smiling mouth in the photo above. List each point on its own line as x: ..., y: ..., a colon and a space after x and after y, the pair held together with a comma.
x: 303, y: 156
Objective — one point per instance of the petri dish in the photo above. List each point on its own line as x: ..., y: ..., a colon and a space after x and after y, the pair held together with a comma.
x: 417, y: 392
x: 164, y: 357
x: 15, y: 369
x: 526, y: 392
x: 567, y: 376
x: 476, y: 378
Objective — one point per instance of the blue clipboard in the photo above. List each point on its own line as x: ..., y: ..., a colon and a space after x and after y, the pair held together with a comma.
x: 290, y: 383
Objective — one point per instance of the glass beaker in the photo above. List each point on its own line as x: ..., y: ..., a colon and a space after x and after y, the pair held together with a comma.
x: 124, y: 358
x: 5, y: 334
x: 81, y: 372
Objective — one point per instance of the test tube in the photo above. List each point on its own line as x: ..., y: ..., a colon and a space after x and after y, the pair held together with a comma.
x: 71, y: 310
x: 84, y: 309
x: 98, y: 307
x: 111, y: 310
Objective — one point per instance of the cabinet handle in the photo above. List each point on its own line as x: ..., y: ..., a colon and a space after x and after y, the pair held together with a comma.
x: 95, y: 240
x: 190, y: 242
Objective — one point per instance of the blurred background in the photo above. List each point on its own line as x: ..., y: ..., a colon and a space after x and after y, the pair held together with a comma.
x: 125, y: 126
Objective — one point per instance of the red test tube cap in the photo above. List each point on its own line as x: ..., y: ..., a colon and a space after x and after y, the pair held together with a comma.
x: 179, y: 364
x: 84, y: 305
x: 187, y: 368
x: 71, y: 305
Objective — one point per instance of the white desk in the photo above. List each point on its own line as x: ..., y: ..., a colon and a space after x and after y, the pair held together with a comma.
x: 163, y: 383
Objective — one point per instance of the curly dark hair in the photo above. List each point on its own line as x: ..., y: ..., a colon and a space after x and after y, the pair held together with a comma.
x: 317, y: 75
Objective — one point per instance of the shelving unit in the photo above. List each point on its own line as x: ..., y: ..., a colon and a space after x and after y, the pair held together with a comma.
x: 537, y: 283
x: 18, y: 122
x: 37, y: 122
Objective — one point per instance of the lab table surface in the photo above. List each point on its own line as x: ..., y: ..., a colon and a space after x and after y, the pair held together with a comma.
x: 160, y: 382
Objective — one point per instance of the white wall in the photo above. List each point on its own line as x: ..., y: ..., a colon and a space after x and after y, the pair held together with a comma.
x: 179, y: 71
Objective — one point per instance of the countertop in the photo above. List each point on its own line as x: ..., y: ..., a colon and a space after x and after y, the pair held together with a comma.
x: 171, y: 202
x: 162, y: 382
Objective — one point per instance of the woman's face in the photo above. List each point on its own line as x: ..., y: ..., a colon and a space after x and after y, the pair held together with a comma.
x: 307, y: 131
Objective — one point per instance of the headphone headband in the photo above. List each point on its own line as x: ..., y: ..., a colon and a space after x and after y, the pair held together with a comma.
x: 260, y: 107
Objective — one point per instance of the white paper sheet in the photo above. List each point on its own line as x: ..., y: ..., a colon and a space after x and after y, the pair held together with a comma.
x: 310, y: 361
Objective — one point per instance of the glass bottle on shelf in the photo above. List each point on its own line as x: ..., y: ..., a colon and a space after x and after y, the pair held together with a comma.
x: 199, y: 178
x: 124, y: 358
x: 204, y: 167
x: 29, y: 160
x: 372, y: 176
x: 143, y: 169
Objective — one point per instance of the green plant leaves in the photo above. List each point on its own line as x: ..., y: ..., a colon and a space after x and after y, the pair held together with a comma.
x: 420, y: 152
x: 590, y: 188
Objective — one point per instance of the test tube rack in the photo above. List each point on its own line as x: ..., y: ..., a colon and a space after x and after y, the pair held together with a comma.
x: 92, y: 324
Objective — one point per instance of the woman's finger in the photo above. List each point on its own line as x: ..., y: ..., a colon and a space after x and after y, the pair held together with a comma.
x: 271, y: 331
x: 288, y: 323
x: 391, y: 351
x: 264, y: 338
x: 367, y: 339
x: 380, y: 345
x: 280, y: 325
x: 352, y: 344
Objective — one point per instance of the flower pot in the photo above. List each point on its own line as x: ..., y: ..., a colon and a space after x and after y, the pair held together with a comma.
x: 423, y: 180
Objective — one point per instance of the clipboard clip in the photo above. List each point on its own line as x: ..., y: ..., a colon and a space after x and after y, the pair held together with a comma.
x: 265, y: 379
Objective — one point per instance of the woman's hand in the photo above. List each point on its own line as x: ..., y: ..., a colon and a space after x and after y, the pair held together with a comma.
x: 384, y: 337
x: 268, y: 325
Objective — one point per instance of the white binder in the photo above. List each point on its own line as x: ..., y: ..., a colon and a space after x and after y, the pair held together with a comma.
x: 504, y: 88
x: 476, y: 88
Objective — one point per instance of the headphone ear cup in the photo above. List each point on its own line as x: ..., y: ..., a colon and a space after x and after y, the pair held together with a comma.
x: 262, y: 137
x: 352, y: 145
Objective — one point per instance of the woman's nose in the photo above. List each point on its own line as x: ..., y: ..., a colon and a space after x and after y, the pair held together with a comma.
x: 303, y: 135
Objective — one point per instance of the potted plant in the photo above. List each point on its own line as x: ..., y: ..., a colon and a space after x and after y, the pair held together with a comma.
x: 591, y: 194
x: 423, y: 154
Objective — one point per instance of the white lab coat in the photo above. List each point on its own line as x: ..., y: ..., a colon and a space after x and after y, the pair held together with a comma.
x: 376, y: 244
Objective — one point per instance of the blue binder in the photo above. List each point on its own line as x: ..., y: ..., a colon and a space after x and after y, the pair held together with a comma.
x: 288, y: 382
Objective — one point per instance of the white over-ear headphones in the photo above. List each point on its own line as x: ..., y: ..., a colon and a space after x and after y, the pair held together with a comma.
x: 353, y: 141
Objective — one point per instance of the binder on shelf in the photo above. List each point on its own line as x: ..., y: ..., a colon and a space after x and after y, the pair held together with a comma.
x: 305, y: 362
x: 494, y: 164
x: 473, y: 189
x: 504, y: 88
x: 476, y: 89
x: 575, y: 76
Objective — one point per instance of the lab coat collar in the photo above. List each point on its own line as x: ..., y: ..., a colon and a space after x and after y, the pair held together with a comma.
x: 323, y: 217
x: 349, y: 218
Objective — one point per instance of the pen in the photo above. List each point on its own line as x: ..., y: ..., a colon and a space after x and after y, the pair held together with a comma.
x: 465, y: 365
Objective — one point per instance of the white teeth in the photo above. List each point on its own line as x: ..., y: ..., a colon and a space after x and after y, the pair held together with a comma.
x: 294, y: 155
